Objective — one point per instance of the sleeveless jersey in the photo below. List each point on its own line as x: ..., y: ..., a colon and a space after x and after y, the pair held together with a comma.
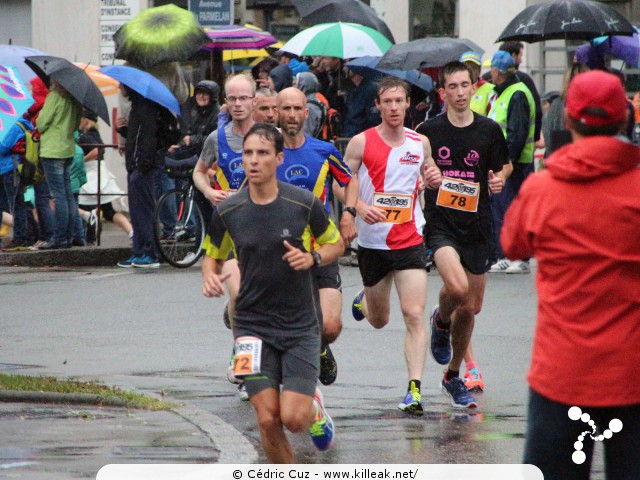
x: 391, y: 170
x: 229, y: 172
x: 312, y: 167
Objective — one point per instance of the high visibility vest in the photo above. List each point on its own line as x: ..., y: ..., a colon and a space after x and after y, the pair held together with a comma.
x: 480, y: 99
x: 499, y: 112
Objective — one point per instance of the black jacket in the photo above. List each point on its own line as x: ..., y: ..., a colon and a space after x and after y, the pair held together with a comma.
x: 198, y: 122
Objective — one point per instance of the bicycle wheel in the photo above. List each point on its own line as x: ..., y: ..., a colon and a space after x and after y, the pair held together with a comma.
x: 179, y: 243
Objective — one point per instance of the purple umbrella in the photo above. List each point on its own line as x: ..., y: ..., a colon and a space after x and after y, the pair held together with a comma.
x: 622, y: 47
x: 234, y: 37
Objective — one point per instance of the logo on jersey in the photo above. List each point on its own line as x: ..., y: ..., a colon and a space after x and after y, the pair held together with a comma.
x: 410, y: 159
x: 462, y: 188
x: 237, y: 173
x: 391, y: 201
x: 472, y: 158
x: 296, y: 172
x: 444, y: 153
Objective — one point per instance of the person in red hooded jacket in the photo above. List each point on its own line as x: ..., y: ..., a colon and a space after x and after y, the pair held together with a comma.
x: 580, y: 218
x: 46, y: 222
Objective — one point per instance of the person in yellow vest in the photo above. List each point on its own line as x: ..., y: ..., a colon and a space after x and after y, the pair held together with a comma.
x: 514, y: 110
x: 484, y: 95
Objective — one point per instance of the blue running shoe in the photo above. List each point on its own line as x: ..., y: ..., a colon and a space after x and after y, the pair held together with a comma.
x: 440, y: 340
x: 412, y: 402
x: 322, y: 429
x: 128, y: 263
x: 146, y: 262
x: 356, y: 306
x: 458, y: 393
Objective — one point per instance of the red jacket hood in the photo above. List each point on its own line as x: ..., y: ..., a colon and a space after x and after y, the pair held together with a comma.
x: 590, y: 158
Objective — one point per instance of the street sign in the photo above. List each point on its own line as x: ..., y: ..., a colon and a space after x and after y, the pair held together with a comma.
x: 114, y: 14
x: 212, y: 12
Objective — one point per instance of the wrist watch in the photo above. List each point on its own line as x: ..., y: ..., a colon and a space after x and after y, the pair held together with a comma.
x: 351, y: 210
x: 317, y: 259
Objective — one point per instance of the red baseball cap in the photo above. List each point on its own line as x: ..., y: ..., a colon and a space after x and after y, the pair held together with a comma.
x: 600, y: 90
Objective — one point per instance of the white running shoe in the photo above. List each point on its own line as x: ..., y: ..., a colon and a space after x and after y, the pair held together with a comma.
x: 519, y: 266
x: 500, y: 266
x: 242, y: 392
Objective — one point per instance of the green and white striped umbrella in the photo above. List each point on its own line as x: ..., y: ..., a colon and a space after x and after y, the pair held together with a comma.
x: 342, y: 40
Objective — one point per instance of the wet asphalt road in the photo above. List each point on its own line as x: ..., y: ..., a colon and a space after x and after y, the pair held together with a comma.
x: 155, y: 332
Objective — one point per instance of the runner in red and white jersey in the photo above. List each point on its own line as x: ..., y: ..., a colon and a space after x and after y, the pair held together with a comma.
x: 392, y: 164
x: 394, y: 172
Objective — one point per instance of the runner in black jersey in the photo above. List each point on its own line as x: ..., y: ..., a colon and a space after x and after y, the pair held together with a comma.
x: 472, y: 154
x: 277, y: 324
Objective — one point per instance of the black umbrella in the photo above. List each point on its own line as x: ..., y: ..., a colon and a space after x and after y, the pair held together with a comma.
x: 73, y: 79
x: 566, y: 19
x: 426, y: 53
x: 350, y: 11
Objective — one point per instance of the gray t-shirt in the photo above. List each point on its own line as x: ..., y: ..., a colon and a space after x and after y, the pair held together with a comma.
x: 274, y: 299
x: 210, y: 150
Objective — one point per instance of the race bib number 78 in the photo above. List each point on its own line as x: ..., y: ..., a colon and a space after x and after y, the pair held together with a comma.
x: 458, y: 194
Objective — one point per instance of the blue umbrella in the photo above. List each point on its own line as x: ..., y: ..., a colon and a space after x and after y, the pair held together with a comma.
x: 366, y: 66
x: 145, y: 84
x: 15, y: 99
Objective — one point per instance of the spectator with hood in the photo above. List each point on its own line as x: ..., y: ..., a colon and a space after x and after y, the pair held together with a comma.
x: 293, y: 61
x: 280, y: 77
x: 41, y: 191
x: 199, y: 116
x: 309, y: 84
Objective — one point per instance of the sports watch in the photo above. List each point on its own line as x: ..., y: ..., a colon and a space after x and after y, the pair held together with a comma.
x: 351, y: 210
x: 317, y: 259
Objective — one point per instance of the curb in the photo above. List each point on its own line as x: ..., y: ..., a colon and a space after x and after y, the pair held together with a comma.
x: 55, y: 397
x: 234, y: 447
x: 68, y: 257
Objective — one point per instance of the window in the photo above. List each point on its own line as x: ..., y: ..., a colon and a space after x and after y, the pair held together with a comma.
x: 432, y: 18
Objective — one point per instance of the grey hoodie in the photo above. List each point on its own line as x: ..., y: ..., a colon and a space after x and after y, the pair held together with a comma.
x: 309, y: 84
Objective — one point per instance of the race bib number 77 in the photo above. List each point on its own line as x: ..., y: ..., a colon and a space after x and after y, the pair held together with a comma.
x: 398, y: 208
x: 458, y: 194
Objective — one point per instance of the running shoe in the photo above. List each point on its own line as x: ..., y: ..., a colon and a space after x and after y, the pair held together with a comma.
x: 457, y: 392
x: 440, y: 340
x: 225, y: 316
x: 500, y: 266
x: 412, y: 402
x: 473, y: 380
x: 242, y: 392
x: 322, y: 430
x: 356, y: 306
x: 518, y: 266
x: 145, y: 262
x: 128, y: 263
x: 328, y: 367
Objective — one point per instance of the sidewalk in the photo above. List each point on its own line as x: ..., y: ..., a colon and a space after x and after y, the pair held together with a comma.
x: 52, y: 438
x: 114, y: 246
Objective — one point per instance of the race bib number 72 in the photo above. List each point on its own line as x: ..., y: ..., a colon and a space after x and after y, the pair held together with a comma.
x: 248, y: 355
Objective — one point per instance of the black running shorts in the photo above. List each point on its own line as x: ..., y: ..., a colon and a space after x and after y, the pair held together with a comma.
x: 293, y: 362
x: 475, y: 257
x: 328, y: 276
x: 375, y: 264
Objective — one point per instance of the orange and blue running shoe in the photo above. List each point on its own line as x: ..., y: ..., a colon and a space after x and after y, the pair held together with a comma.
x: 473, y: 380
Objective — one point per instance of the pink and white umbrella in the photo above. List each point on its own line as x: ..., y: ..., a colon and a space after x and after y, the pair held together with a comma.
x: 234, y: 37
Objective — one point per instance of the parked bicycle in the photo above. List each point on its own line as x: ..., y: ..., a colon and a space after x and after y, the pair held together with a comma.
x: 178, y: 221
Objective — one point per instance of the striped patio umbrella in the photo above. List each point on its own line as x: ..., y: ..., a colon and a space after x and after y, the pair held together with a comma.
x: 342, y: 40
